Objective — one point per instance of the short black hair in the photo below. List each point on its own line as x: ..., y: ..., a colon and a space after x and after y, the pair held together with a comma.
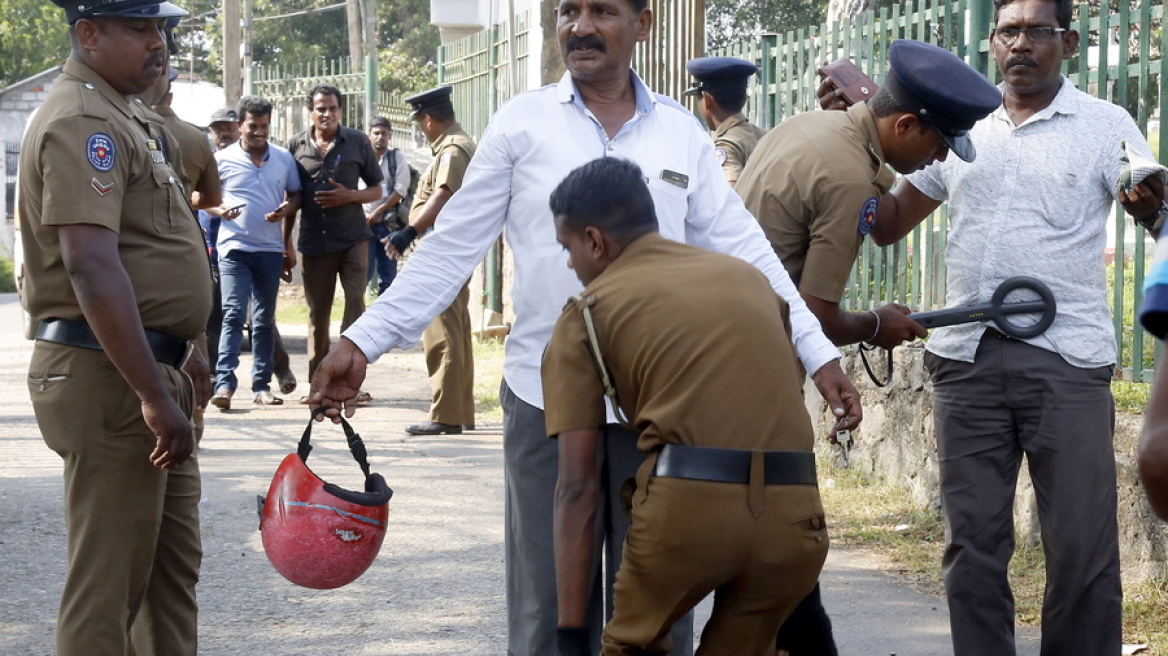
x: 1063, y: 11
x: 380, y: 122
x: 639, y: 5
x: 442, y: 112
x: 731, y: 100
x: 608, y: 193
x: 326, y: 90
x: 253, y: 105
x: 883, y: 103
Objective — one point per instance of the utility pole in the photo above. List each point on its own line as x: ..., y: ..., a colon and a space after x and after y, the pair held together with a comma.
x: 247, y: 46
x: 353, y: 18
x: 232, y: 80
x: 369, y: 12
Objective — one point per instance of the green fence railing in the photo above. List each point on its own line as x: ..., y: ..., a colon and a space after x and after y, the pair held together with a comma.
x: 1120, y: 60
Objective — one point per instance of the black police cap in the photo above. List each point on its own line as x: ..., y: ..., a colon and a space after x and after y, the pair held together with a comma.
x: 719, y: 73
x: 429, y: 99
x: 942, y: 90
x: 77, y: 9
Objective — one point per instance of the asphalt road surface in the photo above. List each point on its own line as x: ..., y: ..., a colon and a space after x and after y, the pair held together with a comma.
x: 437, y: 586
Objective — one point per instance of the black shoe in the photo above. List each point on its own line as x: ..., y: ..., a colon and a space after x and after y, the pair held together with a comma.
x: 434, y: 428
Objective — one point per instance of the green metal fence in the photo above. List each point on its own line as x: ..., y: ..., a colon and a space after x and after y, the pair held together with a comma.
x: 1120, y: 60
x: 485, y: 69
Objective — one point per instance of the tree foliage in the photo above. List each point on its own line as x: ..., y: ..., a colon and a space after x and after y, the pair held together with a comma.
x: 33, y: 37
x: 731, y: 21
x: 406, y: 42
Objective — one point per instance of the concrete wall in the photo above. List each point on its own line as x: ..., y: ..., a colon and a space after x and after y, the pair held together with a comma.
x: 896, y: 442
x: 18, y: 101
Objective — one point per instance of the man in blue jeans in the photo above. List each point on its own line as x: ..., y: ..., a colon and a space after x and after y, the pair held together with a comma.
x: 382, y: 214
x: 261, y: 190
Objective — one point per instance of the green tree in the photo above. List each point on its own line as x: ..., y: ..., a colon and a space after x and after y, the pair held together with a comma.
x: 730, y: 21
x: 33, y: 37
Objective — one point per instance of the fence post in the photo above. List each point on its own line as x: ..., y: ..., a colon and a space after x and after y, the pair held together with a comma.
x: 370, y: 89
x: 980, y: 14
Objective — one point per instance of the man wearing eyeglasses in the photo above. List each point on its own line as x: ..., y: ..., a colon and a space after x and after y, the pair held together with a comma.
x: 814, y: 184
x: 1036, y: 202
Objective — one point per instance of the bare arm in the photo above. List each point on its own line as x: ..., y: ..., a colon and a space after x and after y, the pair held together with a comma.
x: 900, y: 211
x: 1153, y: 454
x: 106, y: 297
x: 399, y: 240
x: 886, y: 326
x: 574, y: 523
x: 341, y: 195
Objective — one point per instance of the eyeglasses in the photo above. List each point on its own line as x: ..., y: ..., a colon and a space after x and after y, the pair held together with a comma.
x: 1008, y: 35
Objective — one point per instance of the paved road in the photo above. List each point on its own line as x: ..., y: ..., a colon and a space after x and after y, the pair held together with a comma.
x: 436, y: 588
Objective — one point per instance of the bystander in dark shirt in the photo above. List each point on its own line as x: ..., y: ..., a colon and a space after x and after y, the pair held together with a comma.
x: 350, y: 158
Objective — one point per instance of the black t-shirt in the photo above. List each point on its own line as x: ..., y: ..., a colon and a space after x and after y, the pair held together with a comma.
x: 351, y: 158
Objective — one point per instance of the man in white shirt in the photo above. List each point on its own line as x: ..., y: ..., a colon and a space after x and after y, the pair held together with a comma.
x: 600, y: 108
x: 1036, y: 202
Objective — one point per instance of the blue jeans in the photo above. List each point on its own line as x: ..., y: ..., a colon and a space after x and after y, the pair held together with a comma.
x: 380, y: 264
x: 242, y: 276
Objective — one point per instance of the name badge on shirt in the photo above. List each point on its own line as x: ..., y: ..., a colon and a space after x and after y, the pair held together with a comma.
x: 676, y: 179
x: 156, y: 153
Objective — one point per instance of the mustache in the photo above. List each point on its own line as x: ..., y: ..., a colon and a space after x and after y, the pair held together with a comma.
x: 1022, y: 60
x: 590, y: 41
x: 156, y: 60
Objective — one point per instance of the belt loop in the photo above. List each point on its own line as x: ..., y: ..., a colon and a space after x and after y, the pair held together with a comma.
x: 643, y: 474
x: 756, y: 488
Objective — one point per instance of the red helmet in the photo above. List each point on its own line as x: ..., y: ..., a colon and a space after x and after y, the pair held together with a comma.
x: 317, y: 534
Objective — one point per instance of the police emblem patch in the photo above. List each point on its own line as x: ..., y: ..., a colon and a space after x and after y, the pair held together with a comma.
x: 720, y: 155
x: 100, y: 151
x: 868, y: 215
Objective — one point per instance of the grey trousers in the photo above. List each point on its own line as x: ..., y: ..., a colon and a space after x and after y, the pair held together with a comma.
x: 531, y: 463
x: 1018, y: 399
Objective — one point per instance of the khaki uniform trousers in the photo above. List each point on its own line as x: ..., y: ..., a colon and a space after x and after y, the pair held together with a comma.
x: 320, y: 273
x: 133, y: 530
x: 758, y: 548
x: 450, y: 362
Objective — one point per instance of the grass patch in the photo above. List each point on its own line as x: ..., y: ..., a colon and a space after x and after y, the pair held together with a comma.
x: 1131, y: 397
x: 877, y: 517
x: 488, y: 357
x: 291, y: 309
x: 7, y: 281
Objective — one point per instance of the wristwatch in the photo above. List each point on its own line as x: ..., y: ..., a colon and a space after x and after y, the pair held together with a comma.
x: 1154, y: 222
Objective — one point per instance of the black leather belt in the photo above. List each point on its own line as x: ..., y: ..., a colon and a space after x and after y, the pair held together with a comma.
x: 733, y: 466
x: 167, y: 349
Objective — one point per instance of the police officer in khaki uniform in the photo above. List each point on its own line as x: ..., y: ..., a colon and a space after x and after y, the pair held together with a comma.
x: 814, y: 184
x: 727, y: 499
x: 118, y: 283
x: 199, y: 170
x: 449, y: 358
x: 721, y: 83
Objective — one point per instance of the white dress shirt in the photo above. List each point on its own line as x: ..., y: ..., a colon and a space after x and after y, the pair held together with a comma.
x: 531, y: 144
x: 1036, y: 202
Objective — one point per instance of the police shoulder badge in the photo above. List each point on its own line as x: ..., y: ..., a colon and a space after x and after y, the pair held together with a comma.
x: 720, y: 155
x: 100, y: 151
x: 868, y: 215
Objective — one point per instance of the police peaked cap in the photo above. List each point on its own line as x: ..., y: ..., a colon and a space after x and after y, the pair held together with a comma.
x: 429, y: 99
x: 942, y: 90
x: 78, y: 9
x: 711, y: 73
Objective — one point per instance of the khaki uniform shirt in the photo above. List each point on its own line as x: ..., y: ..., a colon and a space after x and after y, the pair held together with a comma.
x: 198, y: 162
x: 452, y: 152
x: 734, y: 141
x: 684, y: 374
x: 90, y: 156
x: 814, y: 184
